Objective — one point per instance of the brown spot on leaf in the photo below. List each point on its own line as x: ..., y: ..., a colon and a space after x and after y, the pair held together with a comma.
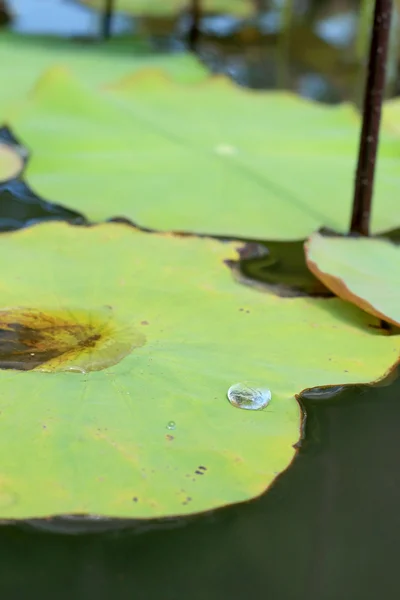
x: 63, y: 340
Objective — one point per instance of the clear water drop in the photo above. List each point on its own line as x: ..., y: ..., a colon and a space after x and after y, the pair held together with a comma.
x: 249, y: 397
x: 171, y: 425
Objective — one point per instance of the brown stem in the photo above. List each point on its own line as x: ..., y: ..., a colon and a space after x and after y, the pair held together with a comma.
x: 106, y: 21
x: 194, y: 32
x: 373, y: 98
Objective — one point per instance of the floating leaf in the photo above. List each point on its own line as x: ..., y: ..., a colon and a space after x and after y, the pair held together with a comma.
x: 208, y: 158
x: 157, y: 330
x: 11, y: 163
x: 23, y: 58
x: 391, y: 116
x: 364, y: 271
x: 170, y: 7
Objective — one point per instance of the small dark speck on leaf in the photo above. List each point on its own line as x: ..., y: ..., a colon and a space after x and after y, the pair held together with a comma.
x: 203, y: 468
x: 169, y: 437
x: 345, y: 371
x: 241, y: 309
x: 199, y: 472
x: 144, y: 322
x: 44, y: 426
x: 247, y: 311
x: 135, y: 499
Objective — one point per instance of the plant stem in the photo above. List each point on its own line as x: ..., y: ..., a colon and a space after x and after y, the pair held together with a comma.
x: 373, y: 98
x: 283, y: 46
x: 106, y: 20
x: 194, y: 32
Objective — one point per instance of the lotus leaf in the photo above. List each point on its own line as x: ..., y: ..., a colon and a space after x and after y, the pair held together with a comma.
x: 364, y: 271
x: 23, y: 58
x: 117, y: 349
x: 170, y: 7
x: 208, y: 158
x: 391, y: 116
x: 11, y: 163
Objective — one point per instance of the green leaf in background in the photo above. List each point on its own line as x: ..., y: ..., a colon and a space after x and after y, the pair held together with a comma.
x: 170, y: 7
x: 391, y: 116
x: 23, y: 58
x: 154, y: 434
x: 207, y: 158
x: 11, y: 163
x: 364, y: 271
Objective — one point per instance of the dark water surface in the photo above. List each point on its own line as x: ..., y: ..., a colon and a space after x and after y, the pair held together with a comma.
x: 327, y: 530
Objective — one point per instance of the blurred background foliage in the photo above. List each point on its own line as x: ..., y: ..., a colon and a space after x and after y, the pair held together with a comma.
x: 317, y: 48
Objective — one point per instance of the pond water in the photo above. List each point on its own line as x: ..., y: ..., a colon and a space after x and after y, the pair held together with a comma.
x: 327, y: 529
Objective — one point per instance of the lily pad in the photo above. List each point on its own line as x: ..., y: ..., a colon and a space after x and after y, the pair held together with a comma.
x: 23, y: 59
x: 143, y: 336
x: 11, y: 163
x: 170, y: 7
x: 209, y: 158
x: 364, y: 271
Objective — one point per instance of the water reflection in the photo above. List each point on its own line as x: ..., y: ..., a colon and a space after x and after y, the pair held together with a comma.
x: 60, y: 18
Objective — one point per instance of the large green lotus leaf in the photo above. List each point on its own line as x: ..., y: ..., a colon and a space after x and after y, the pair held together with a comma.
x: 23, y: 58
x: 208, y: 158
x: 170, y: 7
x: 391, y: 116
x: 131, y: 341
x: 364, y: 271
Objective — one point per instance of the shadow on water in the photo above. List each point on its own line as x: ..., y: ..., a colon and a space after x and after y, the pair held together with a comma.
x: 327, y: 529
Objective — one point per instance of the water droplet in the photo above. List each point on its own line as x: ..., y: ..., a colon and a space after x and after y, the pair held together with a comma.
x: 249, y: 397
x: 171, y: 425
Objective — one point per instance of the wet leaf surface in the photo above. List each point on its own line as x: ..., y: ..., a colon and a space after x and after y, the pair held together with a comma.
x: 154, y: 435
x: 365, y: 271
